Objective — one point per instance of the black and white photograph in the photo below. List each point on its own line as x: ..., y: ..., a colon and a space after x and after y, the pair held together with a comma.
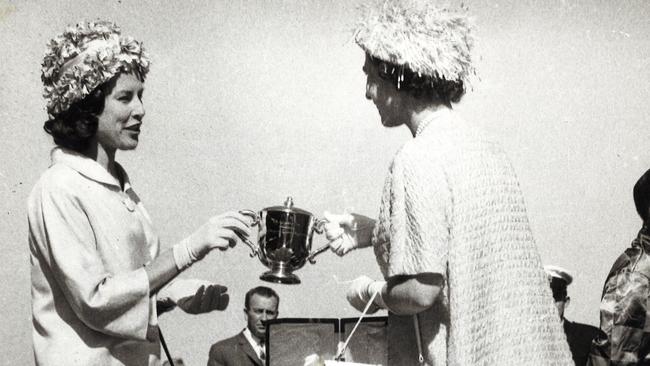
x: 319, y: 183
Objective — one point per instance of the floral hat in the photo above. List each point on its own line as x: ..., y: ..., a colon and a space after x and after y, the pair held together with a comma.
x: 83, y: 57
x: 415, y: 33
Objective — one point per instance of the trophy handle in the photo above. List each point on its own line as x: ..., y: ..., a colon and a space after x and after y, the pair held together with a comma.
x: 255, y: 252
x: 318, y: 228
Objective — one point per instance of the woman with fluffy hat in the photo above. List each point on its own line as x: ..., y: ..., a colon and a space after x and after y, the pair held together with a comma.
x: 463, y: 281
x: 96, y: 268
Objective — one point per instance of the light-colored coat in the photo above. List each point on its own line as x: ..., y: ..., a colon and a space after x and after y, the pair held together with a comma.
x: 89, y: 240
x: 452, y: 206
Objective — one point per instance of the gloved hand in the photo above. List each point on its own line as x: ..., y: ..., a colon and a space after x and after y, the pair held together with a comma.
x: 206, y: 299
x: 221, y: 231
x: 340, y: 231
x: 314, y: 360
x: 360, y: 292
x: 198, y: 296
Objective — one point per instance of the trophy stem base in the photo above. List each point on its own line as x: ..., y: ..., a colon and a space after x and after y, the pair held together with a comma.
x: 280, y: 274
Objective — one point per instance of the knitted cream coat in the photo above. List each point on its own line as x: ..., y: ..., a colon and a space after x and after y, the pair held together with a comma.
x: 452, y: 205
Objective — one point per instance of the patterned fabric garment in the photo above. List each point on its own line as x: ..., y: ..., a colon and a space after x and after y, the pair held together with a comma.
x: 625, y: 337
x: 452, y: 205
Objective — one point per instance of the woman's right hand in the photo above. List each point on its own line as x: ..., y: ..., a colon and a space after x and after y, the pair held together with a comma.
x: 221, y: 231
x: 348, y: 231
x: 340, y: 231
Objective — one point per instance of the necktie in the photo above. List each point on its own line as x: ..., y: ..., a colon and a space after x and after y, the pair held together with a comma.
x: 263, y: 356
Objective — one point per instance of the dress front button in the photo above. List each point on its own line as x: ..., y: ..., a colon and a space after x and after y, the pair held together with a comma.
x: 128, y: 202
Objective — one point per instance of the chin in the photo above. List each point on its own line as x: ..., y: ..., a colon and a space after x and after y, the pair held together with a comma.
x: 386, y: 120
x: 129, y: 145
x: 389, y: 123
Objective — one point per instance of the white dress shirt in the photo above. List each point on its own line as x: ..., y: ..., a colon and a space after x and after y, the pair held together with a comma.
x: 258, y: 346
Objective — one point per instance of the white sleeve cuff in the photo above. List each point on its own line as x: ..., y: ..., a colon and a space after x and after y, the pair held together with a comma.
x: 182, y: 256
x: 378, y: 287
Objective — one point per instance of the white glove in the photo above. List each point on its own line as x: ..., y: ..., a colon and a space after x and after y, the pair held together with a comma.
x: 361, y: 290
x: 314, y: 360
x: 221, y: 231
x: 340, y: 231
x: 197, y: 296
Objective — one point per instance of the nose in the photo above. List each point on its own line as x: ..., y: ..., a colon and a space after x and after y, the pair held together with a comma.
x: 264, y: 317
x: 369, y: 90
x: 138, y: 109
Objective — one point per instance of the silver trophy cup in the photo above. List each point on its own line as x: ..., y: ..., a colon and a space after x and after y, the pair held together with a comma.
x: 284, y: 240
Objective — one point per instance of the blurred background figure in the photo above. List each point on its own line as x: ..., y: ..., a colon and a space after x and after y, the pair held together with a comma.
x: 625, y: 336
x: 579, y: 336
x: 249, y: 346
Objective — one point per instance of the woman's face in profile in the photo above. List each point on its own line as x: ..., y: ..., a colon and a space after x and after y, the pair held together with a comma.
x: 383, y: 94
x: 118, y: 126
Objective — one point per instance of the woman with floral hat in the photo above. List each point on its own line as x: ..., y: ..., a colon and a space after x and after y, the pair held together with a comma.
x: 96, y: 267
x: 463, y: 281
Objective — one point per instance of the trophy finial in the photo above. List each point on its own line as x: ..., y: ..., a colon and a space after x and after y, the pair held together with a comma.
x: 289, y: 202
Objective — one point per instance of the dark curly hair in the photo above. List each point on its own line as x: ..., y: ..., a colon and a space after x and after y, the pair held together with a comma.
x: 421, y: 86
x: 641, y: 193
x: 75, y: 127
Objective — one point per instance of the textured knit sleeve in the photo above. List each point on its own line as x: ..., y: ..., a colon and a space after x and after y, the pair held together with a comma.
x: 419, y: 216
x: 623, y: 312
x: 112, y: 303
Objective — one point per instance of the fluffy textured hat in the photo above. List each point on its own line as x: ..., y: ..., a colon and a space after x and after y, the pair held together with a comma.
x: 85, y: 56
x: 415, y: 33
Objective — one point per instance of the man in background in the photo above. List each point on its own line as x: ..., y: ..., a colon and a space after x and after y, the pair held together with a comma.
x: 579, y: 336
x: 248, y: 348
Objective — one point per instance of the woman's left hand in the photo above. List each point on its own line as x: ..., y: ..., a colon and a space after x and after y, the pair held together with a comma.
x: 205, y: 300
x: 197, y: 296
x: 361, y: 290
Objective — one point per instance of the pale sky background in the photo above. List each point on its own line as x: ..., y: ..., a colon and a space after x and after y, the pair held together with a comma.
x: 251, y: 101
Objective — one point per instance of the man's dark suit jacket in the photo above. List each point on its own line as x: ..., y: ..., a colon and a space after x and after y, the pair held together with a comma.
x: 233, y: 351
x: 579, y: 337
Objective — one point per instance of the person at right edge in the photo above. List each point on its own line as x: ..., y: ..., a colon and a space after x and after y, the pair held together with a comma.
x: 625, y: 331
x: 452, y: 240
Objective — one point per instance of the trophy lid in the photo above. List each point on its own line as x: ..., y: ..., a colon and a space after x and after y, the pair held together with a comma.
x: 288, y: 207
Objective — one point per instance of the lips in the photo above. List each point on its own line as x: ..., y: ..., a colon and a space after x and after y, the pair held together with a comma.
x: 134, y: 128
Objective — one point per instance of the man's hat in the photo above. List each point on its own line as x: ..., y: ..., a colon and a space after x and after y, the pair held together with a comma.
x: 558, y: 279
x: 555, y: 273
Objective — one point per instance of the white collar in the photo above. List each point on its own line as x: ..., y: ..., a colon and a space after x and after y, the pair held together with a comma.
x: 257, y: 346
x: 88, y: 167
